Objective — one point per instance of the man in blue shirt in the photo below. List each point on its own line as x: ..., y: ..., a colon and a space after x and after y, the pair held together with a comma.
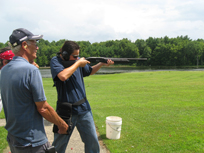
x: 23, y: 97
x: 70, y: 88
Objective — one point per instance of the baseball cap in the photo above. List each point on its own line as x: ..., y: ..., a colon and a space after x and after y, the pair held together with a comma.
x: 20, y: 35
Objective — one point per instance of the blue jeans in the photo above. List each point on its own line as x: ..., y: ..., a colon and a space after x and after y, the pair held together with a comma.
x: 85, y: 126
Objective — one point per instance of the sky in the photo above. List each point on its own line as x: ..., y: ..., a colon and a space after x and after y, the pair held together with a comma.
x: 103, y: 20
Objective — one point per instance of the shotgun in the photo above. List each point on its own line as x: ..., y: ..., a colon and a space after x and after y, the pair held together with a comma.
x: 104, y: 60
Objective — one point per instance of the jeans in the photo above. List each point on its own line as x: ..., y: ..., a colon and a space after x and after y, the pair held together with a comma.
x: 86, y: 127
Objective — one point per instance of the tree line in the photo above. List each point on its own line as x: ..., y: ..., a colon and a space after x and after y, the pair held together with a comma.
x: 180, y: 51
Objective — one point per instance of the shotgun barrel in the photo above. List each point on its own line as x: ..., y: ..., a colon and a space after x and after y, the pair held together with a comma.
x: 118, y: 60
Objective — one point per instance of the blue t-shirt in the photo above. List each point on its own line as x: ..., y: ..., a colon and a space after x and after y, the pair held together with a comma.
x: 72, y: 89
x: 21, y: 87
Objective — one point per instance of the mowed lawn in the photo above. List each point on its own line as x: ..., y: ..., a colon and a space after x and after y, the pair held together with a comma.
x: 161, y: 111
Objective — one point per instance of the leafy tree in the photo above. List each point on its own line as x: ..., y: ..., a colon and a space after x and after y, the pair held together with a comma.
x: 141, y: 44
x: 2, y: 45
x: 165, y: 51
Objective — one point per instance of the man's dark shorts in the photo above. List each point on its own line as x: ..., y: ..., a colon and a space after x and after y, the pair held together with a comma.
x: 15, y: 147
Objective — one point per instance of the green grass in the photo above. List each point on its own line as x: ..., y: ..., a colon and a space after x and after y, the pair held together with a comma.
x: 160, y: 111
x: 3, y: 142
x: 50, y: 91
x: 2, y: 114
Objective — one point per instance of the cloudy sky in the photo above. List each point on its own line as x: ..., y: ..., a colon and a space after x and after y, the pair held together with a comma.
x: 102, y: 20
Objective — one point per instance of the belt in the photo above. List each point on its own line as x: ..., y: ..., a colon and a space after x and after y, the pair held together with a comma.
x: 79, y: 102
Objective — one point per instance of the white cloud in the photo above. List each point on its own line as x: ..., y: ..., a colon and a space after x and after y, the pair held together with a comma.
x: 95, y: 21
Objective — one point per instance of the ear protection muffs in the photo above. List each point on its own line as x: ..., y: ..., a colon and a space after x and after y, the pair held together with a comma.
x: 65, y: 55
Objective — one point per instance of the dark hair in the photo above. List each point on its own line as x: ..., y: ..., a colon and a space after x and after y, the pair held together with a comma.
x: 68, y: 48
x: 5, y: 49
x: 1, y: 51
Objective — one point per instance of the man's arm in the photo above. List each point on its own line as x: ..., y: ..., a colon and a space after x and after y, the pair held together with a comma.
x: 96, y: 67
x: 49, y: 114
x: 67, y: 72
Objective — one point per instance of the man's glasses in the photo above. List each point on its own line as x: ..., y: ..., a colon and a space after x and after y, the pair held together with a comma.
x: 33, y: 43
x: 75, y: 56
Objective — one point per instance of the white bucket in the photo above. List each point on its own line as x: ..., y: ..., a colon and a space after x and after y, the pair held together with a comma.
x: 113, y: 127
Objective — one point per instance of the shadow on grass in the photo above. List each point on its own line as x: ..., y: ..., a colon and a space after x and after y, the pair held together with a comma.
x: 102, y: 137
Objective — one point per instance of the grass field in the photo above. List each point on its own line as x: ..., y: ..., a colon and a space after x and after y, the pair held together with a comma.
x: 160, y: 111
x: 3, y: 142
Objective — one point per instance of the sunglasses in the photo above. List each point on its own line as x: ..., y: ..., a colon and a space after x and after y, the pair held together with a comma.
x: 75, y: 56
